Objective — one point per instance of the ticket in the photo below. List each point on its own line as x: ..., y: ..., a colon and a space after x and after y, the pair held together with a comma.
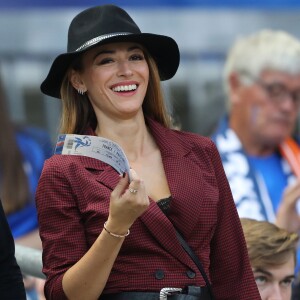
x: 96, y: 147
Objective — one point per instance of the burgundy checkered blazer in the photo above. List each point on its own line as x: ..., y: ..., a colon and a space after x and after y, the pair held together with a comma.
x: 73, y: 201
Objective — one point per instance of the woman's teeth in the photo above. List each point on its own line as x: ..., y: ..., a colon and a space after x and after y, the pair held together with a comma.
x: 125, y: 88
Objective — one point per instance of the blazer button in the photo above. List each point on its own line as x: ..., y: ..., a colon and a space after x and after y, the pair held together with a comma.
x: 159, y: 274
x: 190, y: 274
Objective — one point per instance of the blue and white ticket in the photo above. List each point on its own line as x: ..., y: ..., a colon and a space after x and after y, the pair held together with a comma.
x: 93, y: 146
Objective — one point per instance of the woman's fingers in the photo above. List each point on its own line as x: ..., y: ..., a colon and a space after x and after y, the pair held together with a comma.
x: 128, y: 201
x: 120, y: 187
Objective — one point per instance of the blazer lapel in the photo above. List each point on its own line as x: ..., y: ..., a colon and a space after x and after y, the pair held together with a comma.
x: 179, y: 164
x: 175, y: 160
x: 164, y: 232
x: 104, y: 173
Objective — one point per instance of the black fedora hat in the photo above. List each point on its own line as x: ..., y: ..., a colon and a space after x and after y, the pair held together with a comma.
x: 106, y: 24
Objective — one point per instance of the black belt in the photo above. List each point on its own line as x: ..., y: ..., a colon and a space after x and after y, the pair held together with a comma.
x: 191, y: 293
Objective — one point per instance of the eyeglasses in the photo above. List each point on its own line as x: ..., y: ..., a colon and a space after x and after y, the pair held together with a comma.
x: 278, y: 92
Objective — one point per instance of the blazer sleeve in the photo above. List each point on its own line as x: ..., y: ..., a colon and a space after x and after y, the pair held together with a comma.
x: 230, y: 264
x: 11, y: 280
x: 56, y: 201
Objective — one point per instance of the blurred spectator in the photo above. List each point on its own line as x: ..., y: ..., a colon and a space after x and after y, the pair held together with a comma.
x: 261, y: 159
x: 21, y: 161
x: 11, y: 283
x: 272, y: 253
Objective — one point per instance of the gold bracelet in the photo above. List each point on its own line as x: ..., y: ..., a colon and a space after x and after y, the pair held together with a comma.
x: 115, y: 235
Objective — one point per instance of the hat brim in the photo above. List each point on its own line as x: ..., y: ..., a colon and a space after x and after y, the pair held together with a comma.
x: 162, y: 48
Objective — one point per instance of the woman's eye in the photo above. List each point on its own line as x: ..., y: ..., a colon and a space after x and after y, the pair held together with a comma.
x: 137, y: 57
x: 105, y: 61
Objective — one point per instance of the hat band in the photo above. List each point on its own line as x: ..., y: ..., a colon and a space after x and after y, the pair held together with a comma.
x: 99, y: 39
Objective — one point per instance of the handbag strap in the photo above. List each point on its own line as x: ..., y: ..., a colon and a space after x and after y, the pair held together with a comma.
x: 196, y: 260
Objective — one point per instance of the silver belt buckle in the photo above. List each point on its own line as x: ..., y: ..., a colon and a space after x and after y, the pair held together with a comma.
x: 167, y: 291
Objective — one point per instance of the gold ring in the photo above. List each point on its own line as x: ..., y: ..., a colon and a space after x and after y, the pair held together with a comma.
x: 133, y: 191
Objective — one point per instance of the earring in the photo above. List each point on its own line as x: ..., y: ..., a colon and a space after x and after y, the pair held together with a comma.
x: 81, y: 91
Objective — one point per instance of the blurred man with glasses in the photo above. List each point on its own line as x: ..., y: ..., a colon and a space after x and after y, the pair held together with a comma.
x: 256, y: 139
x: 261, y: 159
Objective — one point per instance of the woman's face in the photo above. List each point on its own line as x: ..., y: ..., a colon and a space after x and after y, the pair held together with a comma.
x: 115, y: 77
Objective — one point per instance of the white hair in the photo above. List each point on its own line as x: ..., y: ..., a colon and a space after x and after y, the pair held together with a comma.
x: 264, y: 50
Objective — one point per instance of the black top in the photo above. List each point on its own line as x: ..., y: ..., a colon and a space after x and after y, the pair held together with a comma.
x: 11, y: 280
x: 164, y: 204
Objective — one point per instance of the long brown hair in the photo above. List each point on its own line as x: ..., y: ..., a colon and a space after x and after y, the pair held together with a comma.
x: 14, y: 185
x: 78, y: 113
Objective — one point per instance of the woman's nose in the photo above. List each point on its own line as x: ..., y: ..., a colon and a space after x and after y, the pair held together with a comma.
x: 124, y: 69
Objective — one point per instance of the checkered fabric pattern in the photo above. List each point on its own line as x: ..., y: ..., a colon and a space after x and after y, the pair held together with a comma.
x: 73, y: 202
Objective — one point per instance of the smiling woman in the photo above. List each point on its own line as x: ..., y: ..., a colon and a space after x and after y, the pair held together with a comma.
x: 115, y: 236
x: 120, y: 95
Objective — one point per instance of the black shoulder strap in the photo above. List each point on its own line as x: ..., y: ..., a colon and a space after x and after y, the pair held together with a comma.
x: 196, y: 260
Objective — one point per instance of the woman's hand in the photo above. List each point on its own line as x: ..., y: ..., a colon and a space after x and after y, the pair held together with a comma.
x: 87, y: 278
x: 127, y: 203
x: 287, y: 215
